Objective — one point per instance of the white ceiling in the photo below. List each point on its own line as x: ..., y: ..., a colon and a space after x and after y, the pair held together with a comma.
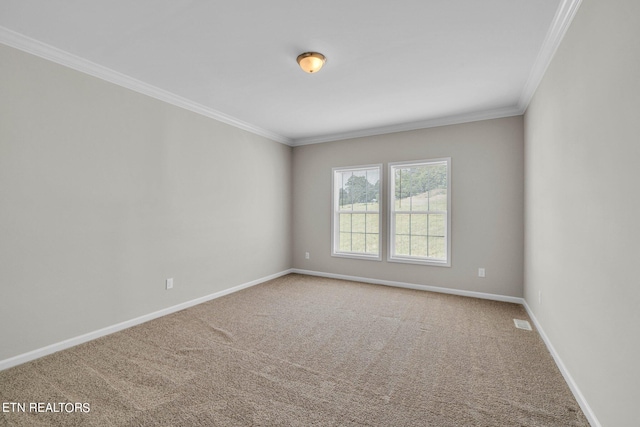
x: 391, y: 65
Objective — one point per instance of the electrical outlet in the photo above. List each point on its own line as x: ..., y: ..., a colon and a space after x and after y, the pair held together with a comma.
x: 306, y: 255
x: 481, y: 272
x: 170, y: 283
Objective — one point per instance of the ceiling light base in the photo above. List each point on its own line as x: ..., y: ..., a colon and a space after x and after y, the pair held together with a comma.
x: 311, y: 62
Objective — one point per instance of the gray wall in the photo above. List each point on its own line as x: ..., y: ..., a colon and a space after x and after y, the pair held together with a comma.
x: 104, y: 193
x: 487, y: 205
x: 582, y: 206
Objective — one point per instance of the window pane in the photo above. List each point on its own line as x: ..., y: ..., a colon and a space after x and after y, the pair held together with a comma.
x: 373, y: 176
x: 345, y: 242
x: 412, y: 190
x: 358, y: 223
x: 419, y: 224
x: 346, y: 207
x: 399, y: 205
x: 436, y: 224
x: 420, y: 202
x: 438, y: 200
x: 358, y: 242
x: 402, y: 190
x: 373, y: 243
x: 345, y: 222
x: 344, y: 199
x: 356, y: 187
x: 437, y: 247
x: 403, y: 223
x: 419, y: 246
x: 437, y: 176
x: 373, y: 189
x: 373, y: 223
x: 402, y: 245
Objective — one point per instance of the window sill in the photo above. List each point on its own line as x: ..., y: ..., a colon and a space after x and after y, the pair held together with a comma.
x: 357, y: 256
x: 434, y: 263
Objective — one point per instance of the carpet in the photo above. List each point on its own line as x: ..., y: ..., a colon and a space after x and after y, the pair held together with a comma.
x: 305, y: 351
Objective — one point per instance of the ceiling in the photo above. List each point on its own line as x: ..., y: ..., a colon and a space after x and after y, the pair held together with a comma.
x: 391, y: 65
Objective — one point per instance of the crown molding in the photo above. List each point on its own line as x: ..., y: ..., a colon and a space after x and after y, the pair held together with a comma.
x: 422, y: 124
x: 564, y: 15
x: 48, y: 52
x: 563, y: 18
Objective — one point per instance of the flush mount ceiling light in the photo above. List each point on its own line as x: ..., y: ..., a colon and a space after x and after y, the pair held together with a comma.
x: 311, y: 62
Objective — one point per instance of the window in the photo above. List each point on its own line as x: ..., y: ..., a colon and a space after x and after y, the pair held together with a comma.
x: 420, y: 214
x: 356, y: 212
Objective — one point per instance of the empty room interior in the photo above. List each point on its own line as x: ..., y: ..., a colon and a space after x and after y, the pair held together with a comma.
x: 331, y: 213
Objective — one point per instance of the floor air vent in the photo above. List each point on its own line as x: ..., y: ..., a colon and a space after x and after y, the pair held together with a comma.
x: 522, y: 324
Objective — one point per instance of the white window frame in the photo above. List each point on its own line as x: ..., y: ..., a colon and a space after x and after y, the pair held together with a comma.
x: 391, y: 257
x: 335, y: 222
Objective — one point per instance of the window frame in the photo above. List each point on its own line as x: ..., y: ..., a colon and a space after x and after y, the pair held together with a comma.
x: 335, y: 222
x: 407, y: 259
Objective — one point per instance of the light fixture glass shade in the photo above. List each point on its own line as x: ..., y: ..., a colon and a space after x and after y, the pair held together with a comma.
x: 311, y: 62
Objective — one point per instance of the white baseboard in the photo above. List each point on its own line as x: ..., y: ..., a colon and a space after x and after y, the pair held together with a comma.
x: 586, y: 409
x: 72, y: 342
x: 437, y: 289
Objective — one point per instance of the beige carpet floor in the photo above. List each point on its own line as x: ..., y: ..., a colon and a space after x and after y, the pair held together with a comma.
x: 307, y: 351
